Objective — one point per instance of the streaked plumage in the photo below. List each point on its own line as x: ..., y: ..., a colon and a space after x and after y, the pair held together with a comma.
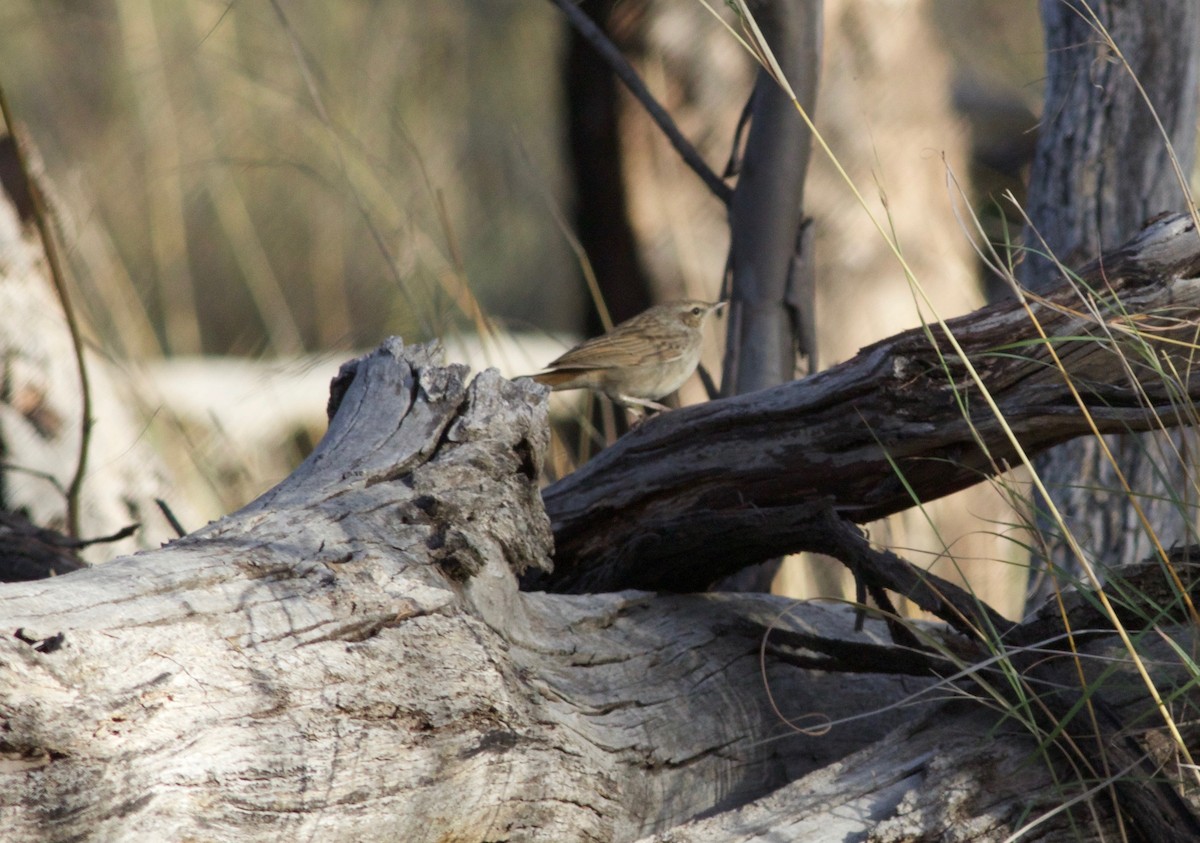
x: 639, y: 361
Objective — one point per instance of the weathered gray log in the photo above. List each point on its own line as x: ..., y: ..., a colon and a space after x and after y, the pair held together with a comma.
x: 349, y: 658
x: 963, y: 774
x: 695, y: 494
x: 968, y: 771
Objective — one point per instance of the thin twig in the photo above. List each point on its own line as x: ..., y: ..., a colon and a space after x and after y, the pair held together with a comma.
x: 165, y: 509
x: 123, y: 533
x: 45, y: 231
x: 608, y: 51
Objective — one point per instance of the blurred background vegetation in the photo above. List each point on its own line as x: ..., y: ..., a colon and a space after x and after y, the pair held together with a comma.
x: 246, y: 184
x: 267, y: 180
x: 242, y: 183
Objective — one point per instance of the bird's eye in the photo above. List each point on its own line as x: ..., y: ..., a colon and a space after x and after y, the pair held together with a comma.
x: 696, y: 311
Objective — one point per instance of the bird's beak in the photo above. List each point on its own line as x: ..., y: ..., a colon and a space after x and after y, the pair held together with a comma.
x: 716, y: 308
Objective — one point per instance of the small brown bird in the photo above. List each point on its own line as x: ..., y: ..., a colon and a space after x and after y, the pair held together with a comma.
x: 640, y: 360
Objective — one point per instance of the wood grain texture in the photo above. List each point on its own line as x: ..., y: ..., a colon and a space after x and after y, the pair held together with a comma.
x: 349, y: 658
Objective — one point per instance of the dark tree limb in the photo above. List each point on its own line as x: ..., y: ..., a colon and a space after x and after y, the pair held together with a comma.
x: 701, y: 492
x: 590, y: 32
x: 883, y: 569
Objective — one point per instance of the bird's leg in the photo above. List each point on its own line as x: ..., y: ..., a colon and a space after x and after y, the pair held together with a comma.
x: 634, y: 416
x: 638, y: 409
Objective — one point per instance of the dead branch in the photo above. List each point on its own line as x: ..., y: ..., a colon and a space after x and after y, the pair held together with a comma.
x: 697, y: 494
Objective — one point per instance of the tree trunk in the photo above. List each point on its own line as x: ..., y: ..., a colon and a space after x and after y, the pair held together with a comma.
x: 601, y: 210
x: 767, y: 215
x: 1104, y: 166
x: 771, y: 277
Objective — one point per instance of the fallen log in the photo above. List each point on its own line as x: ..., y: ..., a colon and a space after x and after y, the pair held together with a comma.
x: 349, y: 658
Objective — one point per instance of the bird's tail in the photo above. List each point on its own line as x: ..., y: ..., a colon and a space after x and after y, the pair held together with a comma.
x: 555, y: 379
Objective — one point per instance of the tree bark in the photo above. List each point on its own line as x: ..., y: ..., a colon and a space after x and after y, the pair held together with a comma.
x: 1103, y: 166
